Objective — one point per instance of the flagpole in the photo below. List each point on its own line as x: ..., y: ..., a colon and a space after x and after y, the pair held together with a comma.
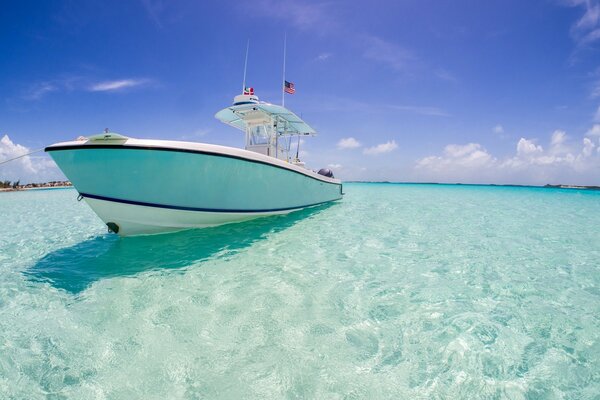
x: 245, y: 65
x: 283, y: 80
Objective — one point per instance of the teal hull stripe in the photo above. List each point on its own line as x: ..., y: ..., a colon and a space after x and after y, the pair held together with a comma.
x: 177, y: 150
x: 183, y: 208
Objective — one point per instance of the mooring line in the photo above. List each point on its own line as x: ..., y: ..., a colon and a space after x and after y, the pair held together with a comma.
x: 21, y: 156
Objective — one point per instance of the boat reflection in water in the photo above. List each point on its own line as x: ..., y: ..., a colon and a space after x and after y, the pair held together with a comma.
x: 75, y: 268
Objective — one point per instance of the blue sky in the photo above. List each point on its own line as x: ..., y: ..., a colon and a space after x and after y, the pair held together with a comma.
x: 462, y: 91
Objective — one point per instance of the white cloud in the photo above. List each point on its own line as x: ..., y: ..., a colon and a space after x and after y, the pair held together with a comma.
x: 563, y: 162
x: 558, y: 143
x: 381, y: 148
x: 26, y: 169
x: 348, y: 143
x: 108, y: 86
x: 471, y: 155
x: 588, y: 147
x: 594, y: 130
x: 597, y: 115
x: 498, y: 129
x: 528, y: 147
x: 558, y: 138
x: 335, y: 166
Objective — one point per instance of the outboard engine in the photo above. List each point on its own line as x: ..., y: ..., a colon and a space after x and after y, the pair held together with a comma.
x: 326, y: 172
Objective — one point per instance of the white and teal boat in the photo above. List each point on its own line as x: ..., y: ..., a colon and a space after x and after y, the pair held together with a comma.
x: 140, y: 186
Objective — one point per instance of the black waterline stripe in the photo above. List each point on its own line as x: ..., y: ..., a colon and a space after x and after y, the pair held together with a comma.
x: 130, y: 147
x: 171, y: 207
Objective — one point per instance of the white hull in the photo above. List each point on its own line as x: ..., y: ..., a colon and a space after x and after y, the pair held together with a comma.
x: 143, y: 220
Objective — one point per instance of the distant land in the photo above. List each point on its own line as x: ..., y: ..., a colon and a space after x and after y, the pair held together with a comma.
x: 8, y: 186
x: 573, y: 187
x: 548, y: 186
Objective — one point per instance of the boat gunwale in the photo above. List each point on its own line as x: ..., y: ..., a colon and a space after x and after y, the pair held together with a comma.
x: 124, y: 146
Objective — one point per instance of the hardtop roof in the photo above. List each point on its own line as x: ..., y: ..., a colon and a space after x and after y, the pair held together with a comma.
x: 241, y: 115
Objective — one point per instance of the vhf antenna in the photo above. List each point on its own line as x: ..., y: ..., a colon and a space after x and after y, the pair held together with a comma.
x: 283, y: 83
x: 245, y: 66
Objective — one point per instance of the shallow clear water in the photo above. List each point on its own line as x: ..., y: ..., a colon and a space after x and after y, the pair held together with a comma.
x: 397, y: 291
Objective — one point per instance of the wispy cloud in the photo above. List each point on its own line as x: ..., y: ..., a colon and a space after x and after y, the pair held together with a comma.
x: 340, y: 103
x: 317, y: 17
x: 387, y: 53
x: 39, y: 90
x: 322, y: 17
x: 587, y: 29
x: 323, y: 56
x: 116, y: 85
x: 154, y: 9
x: 594, y: 86
x: 590, y: 37
x: 595, y: 92
x: 381, y: 148
x: 348, y: 143
x: 164, y: 12
x: 591, y: 16
x: 195, y: 135
x: 423, y: 110
x: 445, y: 75
x: 499, y: 129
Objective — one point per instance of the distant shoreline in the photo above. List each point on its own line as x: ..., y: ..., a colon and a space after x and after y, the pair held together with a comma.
x: 67, y: 184
x: 37, y: 186
x: 547, y: 186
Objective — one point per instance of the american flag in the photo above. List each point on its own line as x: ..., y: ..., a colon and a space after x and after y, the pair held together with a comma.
x: 289, y: 87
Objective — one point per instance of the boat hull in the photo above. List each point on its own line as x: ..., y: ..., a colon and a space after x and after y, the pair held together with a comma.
x: 133, y: 219
x: 148, y: 187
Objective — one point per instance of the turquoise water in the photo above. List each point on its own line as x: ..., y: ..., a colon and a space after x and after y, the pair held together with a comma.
x: 397, y: 291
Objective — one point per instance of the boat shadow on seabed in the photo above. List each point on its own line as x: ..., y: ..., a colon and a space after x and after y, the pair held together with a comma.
x: 75, y: 268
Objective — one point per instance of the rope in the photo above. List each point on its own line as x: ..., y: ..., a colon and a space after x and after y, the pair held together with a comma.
x: 21, y: 156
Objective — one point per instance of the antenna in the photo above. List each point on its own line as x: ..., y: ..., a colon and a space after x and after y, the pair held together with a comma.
x: 283, y: 83
x: 245, y: 65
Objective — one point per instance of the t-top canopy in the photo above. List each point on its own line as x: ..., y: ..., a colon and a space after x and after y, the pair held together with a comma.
x: 242, y: 115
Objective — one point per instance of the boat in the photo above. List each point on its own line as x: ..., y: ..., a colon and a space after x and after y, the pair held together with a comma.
x: 144, y: 186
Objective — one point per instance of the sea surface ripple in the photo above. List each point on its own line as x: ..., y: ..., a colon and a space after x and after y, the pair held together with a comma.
x: 397, y: 291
